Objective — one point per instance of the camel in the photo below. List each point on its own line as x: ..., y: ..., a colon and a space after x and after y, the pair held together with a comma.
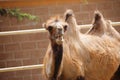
x: 72, y: 55
x: 57, y: 54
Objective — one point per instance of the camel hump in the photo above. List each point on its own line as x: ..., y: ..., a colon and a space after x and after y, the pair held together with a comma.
x: 98, y: 24
x: 97, y: 16
x: 68, y: 13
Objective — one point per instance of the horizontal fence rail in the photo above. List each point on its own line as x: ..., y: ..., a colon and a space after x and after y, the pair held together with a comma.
x: 21, y: 68
x: 43, y: 30
x: 22, y: 32
x: 90, y: 25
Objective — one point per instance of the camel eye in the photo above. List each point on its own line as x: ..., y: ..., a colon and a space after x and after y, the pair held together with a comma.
x: 65, y: 27
x: 50, y: 28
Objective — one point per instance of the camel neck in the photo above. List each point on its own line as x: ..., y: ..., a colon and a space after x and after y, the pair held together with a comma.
x: 58, y: 53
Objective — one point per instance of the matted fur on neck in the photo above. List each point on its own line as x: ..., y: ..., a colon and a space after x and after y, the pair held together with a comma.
x: 58, y: 55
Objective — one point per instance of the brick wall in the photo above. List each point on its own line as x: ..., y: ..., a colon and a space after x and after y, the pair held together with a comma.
x: 29, y: 49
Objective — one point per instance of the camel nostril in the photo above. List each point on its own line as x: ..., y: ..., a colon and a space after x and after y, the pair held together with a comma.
x: 60, y: 29
x: 61, y: 32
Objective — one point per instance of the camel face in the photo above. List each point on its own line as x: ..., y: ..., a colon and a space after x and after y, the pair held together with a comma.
x: 56, y: 28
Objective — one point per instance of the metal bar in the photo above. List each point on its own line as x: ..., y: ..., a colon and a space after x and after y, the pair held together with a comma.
x: 21, y: 68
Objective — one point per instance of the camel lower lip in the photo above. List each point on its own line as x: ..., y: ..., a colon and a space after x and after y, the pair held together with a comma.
x: 60, y: 40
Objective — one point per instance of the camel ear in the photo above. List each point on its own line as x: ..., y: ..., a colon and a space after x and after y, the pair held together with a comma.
x: 97, y: 16
x: 44, y: 25
x: 109, y: 21
x: 68, y: 13
x: 65, y: 27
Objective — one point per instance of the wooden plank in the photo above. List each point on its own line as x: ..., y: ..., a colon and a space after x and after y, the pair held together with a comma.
x: 34, y: 3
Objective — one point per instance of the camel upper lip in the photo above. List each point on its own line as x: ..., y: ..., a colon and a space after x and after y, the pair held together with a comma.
x: 59, y: 36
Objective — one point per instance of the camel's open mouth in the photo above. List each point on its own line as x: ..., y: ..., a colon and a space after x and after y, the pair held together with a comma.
x: 59, y: 39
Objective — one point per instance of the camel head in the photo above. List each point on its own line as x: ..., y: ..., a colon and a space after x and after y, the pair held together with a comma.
x: 56, y: 27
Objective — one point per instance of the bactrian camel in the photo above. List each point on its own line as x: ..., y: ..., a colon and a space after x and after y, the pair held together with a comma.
x: 72, y: 55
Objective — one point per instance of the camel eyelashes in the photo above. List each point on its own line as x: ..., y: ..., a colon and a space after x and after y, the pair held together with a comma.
x: 50, y: 28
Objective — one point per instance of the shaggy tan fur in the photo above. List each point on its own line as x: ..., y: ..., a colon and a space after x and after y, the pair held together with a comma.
x: 87, y: 56
x: 97, y: 47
